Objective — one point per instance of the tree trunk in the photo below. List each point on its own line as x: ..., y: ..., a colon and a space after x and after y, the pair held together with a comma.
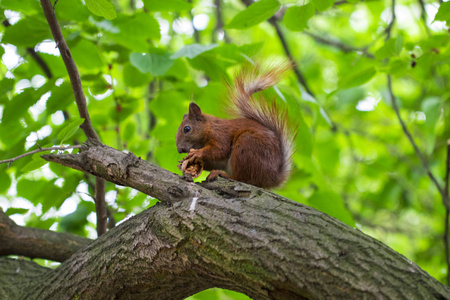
x: 228, y: 235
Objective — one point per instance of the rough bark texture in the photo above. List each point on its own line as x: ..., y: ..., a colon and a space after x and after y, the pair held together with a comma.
x: 225, y: 234
x: 37, y: 243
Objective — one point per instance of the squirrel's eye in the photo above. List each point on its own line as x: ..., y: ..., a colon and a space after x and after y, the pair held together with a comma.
x: 187, y: 129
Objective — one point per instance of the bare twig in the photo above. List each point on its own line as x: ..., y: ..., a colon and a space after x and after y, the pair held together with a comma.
x: 411, y: 139
x: 71, y: 69
x: 423, y: 16
x: 442, y: 191
x: 100, y: 206
x: 37, y: 151
x: 338, y: 44
x: 446, y: 200
x: 391, y: 23
x: 80, y: 101
x: 447, y: 171
x: 196, y: 33
x: 219, y: 23
x: 287, y: 51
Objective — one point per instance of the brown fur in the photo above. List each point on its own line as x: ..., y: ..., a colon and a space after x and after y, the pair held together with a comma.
x: 254, y: 148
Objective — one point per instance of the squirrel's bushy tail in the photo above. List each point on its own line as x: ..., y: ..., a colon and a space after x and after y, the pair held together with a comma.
x: 251, y: 80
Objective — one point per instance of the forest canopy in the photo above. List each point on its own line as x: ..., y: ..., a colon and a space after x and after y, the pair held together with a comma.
x: 369, y: 93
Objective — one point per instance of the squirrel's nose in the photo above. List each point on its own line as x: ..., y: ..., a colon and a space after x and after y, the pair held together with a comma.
x: 181, y: 150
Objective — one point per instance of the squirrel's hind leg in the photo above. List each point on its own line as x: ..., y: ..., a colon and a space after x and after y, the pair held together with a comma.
x: 216, y: 173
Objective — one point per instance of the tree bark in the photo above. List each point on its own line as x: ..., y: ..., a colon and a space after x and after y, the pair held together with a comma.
x: 224, y: 234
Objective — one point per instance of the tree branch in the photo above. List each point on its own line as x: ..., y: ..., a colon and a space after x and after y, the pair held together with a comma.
x: 219, y: 22
x: 10, y: 160
x: 37, y: 243
x: 80, y: 101
x: 444, y: 194
x: 232, y: 236
x: 287, y: 51
x: 123, y: 169
x: 338, y: 44
x: 391, y: 23
x: 71, y: 69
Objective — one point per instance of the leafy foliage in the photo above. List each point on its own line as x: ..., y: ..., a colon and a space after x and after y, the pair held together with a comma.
x: 142, y: 62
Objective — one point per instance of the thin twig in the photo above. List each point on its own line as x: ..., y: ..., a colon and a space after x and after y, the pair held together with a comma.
x: 10, y: 160
x: 391, y: 23
x: 80, y: 101
x: 411, y: 139
x: 219, y: 23
x: 447, y: 171
x: 446, y: 200
x: 423, y: 16
x: 287, y: 51
x: 338, y: 44
x: 442, y: 191
x: 196, y: 33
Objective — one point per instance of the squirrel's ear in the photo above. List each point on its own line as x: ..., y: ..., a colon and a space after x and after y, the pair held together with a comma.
x: 195, y: 112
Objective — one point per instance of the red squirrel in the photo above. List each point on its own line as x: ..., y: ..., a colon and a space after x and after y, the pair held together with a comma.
x: 254, y: 148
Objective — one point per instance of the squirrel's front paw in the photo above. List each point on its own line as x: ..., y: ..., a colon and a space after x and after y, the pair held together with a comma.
x: 193, y: 156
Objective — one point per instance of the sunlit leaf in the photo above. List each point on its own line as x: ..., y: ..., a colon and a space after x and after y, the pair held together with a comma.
x: 69, y: 130
x: 296, y: 17
x: 102, y: 8
x: 256, y: 13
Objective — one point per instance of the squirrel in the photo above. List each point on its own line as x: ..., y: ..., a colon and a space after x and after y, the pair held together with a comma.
x: 254, y: 148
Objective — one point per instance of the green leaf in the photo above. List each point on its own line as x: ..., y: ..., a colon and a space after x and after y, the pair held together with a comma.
x: 76, y: 221
x: 132, y: 77
x: 191, y: 51
x: 71, y: 10
x: 6, y: 85
x: 26, y: 6
x: 332, y: 204
x: 60, y: 98
x: 443, y: 13
x: 5, y: 181
x: 86, y: 55
x: 136, y: 31
x: 391, y: 48
x: 167, y: 5
x: 256, y: 13
x: 102, y: 8
x: 36, y: 163
x: 20, y: 104
x: 13, y: 210
x: 322, y: 5
x: 357, y: 78
x: 296, y: 17
x: 153, y: 63
x: 31, y: 189
x: 27, y: 32
x: 69, y: 130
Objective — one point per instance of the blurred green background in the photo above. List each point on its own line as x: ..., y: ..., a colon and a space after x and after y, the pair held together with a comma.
x: 142, y: 62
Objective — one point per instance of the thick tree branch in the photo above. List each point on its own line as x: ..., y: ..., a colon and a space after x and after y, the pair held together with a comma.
x: 80, y: 100
x: 37, y: 243
x: 10, y: 160
x: 234, y: 236
x: 126, y: 169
